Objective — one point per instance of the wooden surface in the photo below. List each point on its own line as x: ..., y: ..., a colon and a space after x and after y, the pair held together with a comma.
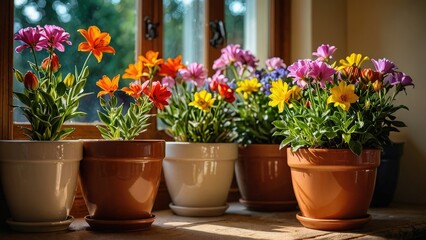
x: 395, y: 222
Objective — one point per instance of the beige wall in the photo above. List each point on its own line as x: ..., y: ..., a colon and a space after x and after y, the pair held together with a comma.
x: 395, y: 29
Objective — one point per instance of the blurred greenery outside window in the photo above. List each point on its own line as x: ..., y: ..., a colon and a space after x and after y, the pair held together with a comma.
x: 183, y: 34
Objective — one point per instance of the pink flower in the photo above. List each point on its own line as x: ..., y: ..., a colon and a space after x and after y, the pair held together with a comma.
x: 274, y: 63
x: 248, y: 59
x: 217, y: 78
x: 324, y: 52
x: 53, y: 37
x: 30, y: 36
x: 230, y: 54
x: 321, y: 72
x: 195, y: 72
x: 300, y: 72
x: 168, y: 81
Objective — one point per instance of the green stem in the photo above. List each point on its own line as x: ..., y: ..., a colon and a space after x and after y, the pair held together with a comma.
x: 84, y: 65
x: 36, y: 63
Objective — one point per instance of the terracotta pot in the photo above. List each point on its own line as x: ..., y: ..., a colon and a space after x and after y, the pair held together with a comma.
x: 333, y: 185
x: 264, y: 178
x: 119, y: 182
x: 39, y: 180
x: 199, y: 176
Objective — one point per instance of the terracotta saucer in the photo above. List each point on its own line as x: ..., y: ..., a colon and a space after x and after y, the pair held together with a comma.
x: 40, y: 226
x: 120, y: 225
x: 333, y: 224
x: 269, y: 205
x: 198, y: 211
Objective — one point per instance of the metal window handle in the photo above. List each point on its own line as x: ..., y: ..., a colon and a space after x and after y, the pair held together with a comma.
x: 218, y: 36
x: 150, y: 28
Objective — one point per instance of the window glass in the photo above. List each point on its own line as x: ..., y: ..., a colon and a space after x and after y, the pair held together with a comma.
x: 235, y: 12
x: 117, y: 17
x: 184, y: 29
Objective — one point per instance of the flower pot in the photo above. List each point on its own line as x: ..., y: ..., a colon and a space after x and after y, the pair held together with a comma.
x: 39, y: 180
x: 387, y: 175
x: 264, y: 178
x: 119, y: 181
x: 198, y: 176
x: 333, y: 187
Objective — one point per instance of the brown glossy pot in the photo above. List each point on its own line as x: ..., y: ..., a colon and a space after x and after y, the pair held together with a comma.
x: 120, y: 179
x: 264, y: 178
x: 333, y: 183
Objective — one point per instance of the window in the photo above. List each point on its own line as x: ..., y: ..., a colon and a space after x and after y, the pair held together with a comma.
x: 195, y: 14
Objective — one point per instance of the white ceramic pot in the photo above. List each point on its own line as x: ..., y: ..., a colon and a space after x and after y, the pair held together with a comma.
x: 39, y: 178
x: 199, y: 176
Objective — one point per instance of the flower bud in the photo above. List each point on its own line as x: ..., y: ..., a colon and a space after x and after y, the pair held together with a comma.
x: 351, y: 73
x: 18, y: 75
x: 377, y: 85
x: 54, y: 63
x: 368, y: 75
x: 69, y: 80
x: 30, y: 81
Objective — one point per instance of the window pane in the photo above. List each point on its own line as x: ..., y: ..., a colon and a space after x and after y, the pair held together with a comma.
x: 184, y: 29
x: 235, y: 11
x: 117, y: 17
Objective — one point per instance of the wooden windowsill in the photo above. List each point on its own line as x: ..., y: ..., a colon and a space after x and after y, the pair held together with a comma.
x: 396, y: 222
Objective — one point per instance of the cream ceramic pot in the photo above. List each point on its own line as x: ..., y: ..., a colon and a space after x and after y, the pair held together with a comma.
x: 199, y: 174
x: 39, y: 178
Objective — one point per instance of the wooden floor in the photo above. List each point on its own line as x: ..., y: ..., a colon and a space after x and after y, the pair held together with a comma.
x: 395, y: 222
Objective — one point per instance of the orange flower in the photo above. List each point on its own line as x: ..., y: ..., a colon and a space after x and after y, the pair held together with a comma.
x: 54, y: 63
x: 158, y: 94
x: 108, y: 86
x: 150, y: 59
x: 134, y: 89
x: 226, y: 92
x: 134, y: 71
x: 171, y: 67
x: 97, y: 42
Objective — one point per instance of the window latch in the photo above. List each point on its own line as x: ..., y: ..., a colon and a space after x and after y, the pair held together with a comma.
x: 218, y: 36
x: 150, y: 28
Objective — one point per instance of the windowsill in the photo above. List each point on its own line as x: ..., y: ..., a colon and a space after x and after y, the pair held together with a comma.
x: 397, y: 221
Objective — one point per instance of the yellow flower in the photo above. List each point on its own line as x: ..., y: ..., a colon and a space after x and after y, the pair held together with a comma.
x: 202, y: 100
x: 280, y: 95
x: 343, y: 95
x: 248, y: 86
x: 352, y: 60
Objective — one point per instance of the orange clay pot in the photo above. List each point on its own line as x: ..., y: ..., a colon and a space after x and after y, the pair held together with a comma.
x: 332, y: 185
x: 264, y: 178
x: 119, y: 182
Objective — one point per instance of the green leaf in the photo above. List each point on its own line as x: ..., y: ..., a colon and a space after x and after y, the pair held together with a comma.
x: 104, y: 118
x: 23, y: 98
x: 356, y: 147
x: 61, y: 89
x: 398, y: 124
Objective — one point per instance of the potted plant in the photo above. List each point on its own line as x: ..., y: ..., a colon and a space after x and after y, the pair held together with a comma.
x: 119, y: 175
x: 336, y: 118
x: 39, y: 175
x: 199, y: 166
x: 262, y: 173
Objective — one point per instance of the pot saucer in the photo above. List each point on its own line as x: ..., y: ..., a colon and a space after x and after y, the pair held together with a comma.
x: 269, y: 205
x: 40, y: 226
x: 120, y: 225
x: 198, y: 211
x: 333, y: 224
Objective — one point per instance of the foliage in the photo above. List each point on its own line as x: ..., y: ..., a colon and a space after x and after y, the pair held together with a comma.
x: 144, y: 90
x: 48, y: 100
x: 339, y: 105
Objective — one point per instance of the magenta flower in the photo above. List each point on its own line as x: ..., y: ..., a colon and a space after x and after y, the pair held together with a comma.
x: 398, y: 78
x: 30, y: 36
x: 248, y: 59
x: 53, y: 37
x: 195, y: 72
x: 384, y: 65
x: 321, y: 72
x: 230, y: 54
x: 324, y: 52
x: 168, y: 81
x: 300, y: 72
x: 274, y: 63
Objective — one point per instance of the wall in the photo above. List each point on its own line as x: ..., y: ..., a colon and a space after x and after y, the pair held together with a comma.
x: 395, y: 29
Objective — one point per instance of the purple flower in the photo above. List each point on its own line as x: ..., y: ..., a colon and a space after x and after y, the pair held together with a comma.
x: 321, y: 72
x: 300, y: 72
x: 266, y: 79
x: 195, y: 72
x: 274, y: 63
x: 324, y: 52
x: 168, y: 81
x: 30, y: 36
x: 384, y: 65
x: 398, y: 78
x: 53, y: 37
x: 248, y: 59
x: 230, y: 54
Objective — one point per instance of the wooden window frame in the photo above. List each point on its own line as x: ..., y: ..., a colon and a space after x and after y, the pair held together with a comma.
x: 279, y: 47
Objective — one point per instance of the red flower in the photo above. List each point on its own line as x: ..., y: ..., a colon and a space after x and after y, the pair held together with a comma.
x: 171, y: 67
x: 158, y: 94
x: 226, y: 92
x: 30, y: 81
